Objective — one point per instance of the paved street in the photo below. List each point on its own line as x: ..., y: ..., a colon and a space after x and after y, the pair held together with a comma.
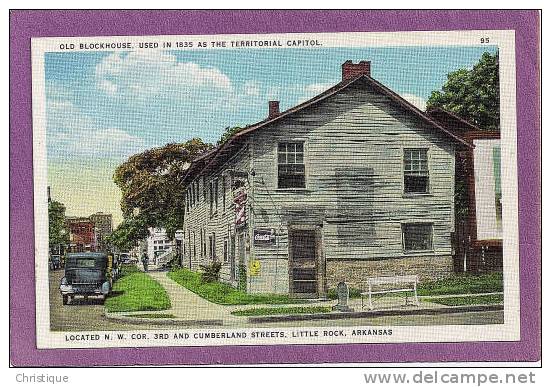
x: 473, y: 318
x: 79, y: 315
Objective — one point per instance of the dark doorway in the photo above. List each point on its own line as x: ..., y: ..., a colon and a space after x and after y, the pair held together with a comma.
x: 303, y: 263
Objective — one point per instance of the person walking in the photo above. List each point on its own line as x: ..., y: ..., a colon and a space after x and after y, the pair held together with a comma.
x: 145, y: 261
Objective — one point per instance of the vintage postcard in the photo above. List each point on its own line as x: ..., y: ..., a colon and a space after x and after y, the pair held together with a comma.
x: 274, y: 189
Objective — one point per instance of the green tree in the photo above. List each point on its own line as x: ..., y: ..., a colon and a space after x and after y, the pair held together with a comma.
x: 228, y: 132
x: 127, y: 233
x: 472, y: 94
x: 58, y: 233
x: 152, y: 190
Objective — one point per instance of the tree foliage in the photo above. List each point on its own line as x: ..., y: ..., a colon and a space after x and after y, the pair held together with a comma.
x: 58, y: 233
x: 131, y: 230
x: 472, y: 94
x: 229, y: 131
x: 152, y: 190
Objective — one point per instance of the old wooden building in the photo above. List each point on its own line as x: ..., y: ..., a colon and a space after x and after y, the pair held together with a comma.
x: 353, y: 183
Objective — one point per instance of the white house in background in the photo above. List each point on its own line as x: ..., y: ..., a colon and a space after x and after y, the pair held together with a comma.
x: 157, y: 243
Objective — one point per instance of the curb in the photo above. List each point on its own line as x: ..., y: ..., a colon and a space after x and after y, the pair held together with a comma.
x: 376, y: 313
x: 161, y: 321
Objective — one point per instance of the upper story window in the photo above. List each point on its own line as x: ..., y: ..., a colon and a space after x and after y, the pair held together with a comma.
x: 416, y: 171
x: 290, y: 165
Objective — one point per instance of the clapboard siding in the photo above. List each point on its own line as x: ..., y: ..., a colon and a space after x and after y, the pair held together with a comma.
x: 220, y: 223
x: 354, y: 145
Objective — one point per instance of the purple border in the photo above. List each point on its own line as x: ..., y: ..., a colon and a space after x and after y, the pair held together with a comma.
x: 27, y: 24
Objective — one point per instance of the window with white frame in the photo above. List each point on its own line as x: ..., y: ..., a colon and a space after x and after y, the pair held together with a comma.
x: 290, y: 165
x: 416, y: 171
x: 417, y: 236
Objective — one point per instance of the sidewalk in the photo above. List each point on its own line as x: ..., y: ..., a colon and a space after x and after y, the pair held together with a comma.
x: 188, y: 305
x: 187, y: 308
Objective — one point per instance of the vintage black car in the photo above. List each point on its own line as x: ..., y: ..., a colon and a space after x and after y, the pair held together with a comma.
x: 86, y: 274
x: 125, y: 258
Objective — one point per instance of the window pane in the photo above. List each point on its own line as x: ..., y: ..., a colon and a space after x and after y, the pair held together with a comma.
x: 417, y: 236
x: 291, y: 165
x: 416, y: 184
x: 291, y: 158
x: 416, y: 171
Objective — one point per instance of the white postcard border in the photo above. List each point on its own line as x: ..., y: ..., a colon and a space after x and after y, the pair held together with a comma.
x: 509, y: 331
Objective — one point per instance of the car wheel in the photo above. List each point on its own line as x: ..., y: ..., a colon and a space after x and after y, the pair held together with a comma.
x: 65, y: 299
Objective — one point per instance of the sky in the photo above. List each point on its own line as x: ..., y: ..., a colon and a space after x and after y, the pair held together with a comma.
x: 102, y: 107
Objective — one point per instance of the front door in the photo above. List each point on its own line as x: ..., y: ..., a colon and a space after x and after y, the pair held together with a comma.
x: 303, y: 264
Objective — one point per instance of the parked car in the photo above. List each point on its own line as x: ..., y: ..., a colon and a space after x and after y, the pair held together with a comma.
x: 125, y: 258
x: 55, y: 262
x: 86, y: 274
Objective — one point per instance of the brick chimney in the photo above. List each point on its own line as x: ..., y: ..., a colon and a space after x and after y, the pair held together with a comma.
x: 273, y: 109
x: 351, y: 70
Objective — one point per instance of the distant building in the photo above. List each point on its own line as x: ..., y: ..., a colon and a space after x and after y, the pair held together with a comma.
x: 157, y: 243
x: 82, y: 235
x: 104, y: 228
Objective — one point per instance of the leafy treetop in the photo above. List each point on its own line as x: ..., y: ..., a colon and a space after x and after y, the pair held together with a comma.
x: 472, y: 94
x: 152, y: 192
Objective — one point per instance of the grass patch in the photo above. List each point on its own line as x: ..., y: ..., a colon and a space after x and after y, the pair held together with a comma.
x: 472, y: 300
x: 463, y: 284
x: 129, y: 268
x: 224, y: 294
x: 136, y: 291
x: 282, y: 310
x: 455, y: 284
x: 152, y: 315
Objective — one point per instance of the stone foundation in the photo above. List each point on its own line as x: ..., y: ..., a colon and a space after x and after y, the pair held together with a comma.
x: 355, y: 272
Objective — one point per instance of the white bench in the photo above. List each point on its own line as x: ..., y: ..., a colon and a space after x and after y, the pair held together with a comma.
x: 395, y: 284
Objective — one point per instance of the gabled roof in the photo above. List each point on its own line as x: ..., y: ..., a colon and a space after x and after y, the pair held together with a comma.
x: 237, y: 138
x: 450, y: 120
x: 460, y: 126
